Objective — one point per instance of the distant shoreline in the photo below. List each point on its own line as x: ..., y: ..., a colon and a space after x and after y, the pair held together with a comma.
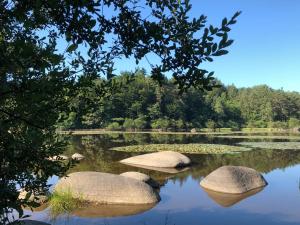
x: 104, y: 131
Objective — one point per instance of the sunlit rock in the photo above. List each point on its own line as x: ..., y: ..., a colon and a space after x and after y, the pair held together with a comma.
x: 107, y: 188
x: 58, y: 157
x: 77, y: 156
x: 141, y: 177
x: 233, y: 179
x: 165, y: 159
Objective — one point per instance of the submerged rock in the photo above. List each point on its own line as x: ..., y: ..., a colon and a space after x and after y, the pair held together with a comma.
x: 233, y: 179
x: 168, y: 159
x: 141, y: 177
x: 107, y: 188
x: 77, y: 156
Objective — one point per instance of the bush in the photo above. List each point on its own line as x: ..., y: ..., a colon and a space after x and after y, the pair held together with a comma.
x: 114, y: 126
x: 293, y: 123
x: 278, y: 124
x: 140, y: 122
x: 257, y: 124
x: 129, y: 124
x: 160, y: 124
x: 233, y: 125
x: 179, y: 124
x: 212, y: 125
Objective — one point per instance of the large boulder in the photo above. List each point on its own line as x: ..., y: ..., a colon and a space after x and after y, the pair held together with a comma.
x: 107, y: 188
x: 233, y: 179
x: 141, y: 177
x: 165, y: 159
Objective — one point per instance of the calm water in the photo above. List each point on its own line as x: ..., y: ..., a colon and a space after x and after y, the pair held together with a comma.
x: 183, y: 200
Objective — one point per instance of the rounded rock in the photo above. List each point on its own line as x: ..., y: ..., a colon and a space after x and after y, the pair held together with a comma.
x: 233, y: 180
x: 107, y: 188
x: 141, y: 177
x: 162, y: 159
x: 77, y: 156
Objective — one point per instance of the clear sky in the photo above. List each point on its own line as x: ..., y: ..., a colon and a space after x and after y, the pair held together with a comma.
x: 267, y: 42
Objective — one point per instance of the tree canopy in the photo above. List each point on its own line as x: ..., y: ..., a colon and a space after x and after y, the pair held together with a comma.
x: 38, y: 76
x: 140, y: 103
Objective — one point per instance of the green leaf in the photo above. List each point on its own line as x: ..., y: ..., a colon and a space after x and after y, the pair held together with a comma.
x: 220, y: 52
x: 72, y: 48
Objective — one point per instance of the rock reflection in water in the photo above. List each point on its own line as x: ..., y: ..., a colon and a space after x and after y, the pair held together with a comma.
x: 228, y: 200
x: 161, y: 169
x: 94, y: 211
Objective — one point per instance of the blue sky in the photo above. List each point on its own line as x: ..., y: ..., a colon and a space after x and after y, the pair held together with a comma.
x: 267, y: 42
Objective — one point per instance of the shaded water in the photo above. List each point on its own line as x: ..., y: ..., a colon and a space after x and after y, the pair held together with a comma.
x: 183, y: 200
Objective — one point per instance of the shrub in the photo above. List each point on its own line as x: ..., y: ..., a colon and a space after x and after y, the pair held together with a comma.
x: 160, y: 124
x: 114, y: 126
x: 129, y: 124
x: 293, y: 123
x: 278, y: 124
x: 140, y: 122
x: 212, y: 125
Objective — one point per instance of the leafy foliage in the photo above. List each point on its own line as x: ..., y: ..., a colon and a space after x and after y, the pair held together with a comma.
x: 38, y: 77
x: 142, y: 104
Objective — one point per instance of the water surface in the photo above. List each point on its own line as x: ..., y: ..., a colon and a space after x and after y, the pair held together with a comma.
x: 183, y: 200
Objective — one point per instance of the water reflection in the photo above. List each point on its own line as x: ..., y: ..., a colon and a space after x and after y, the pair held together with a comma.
x: 228, y: 200
x: 111, y: 210
x: 183, y: 200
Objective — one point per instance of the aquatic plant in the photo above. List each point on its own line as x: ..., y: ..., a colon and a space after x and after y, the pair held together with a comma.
x: 273, y: 145
x: 63, y: 202
x: 184, y: 148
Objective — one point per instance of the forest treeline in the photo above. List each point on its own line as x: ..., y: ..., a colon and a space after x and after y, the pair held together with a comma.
x: 138, y: 102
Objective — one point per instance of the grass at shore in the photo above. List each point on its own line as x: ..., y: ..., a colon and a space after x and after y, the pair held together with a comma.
x: 63, y: 202
x: 273, y: 145
x: 184, y: 148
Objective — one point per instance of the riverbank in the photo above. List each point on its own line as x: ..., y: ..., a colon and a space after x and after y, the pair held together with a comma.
x: 223, y: 131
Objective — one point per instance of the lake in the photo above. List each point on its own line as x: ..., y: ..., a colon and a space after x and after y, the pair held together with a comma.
x: 183, y: 201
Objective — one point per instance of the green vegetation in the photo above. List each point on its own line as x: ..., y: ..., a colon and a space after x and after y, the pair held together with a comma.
x: 63, y: 202
x: 140, y: 103
x: 259, y: 137
x: 273, y: 145
x: 40, y: 79
x: 184, y: 148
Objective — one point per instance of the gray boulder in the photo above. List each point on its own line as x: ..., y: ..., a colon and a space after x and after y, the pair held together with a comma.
x: 233, y: 179
x: 141, y: 177
x: 107, y: 188
x: 163, y: 159
x: 77, y: 156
